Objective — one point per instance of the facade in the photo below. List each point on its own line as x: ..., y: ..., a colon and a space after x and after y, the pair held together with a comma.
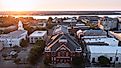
x: 89, y: 19
x: 112, y: 53
x: 14, y: 38
x: 37, y: 35
x: 62, y: 47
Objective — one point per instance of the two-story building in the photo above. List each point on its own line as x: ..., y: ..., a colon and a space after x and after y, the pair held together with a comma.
x: 14, y: 38
x: 62, y: 47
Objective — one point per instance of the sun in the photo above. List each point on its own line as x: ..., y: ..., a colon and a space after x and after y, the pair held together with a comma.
x: 18, y: 5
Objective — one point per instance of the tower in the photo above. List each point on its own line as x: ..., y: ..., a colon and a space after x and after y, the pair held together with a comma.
x: 20, y: 26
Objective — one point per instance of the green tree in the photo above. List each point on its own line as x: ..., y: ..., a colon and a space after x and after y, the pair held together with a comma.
x: 47, y: 60
x: 4, y: 55
x: 50, y: 26
x: 50, y: 20
x: 41, y: 43
x: 23, y: 43
x: 36, y: 52
x: 103, y: 61
x: 34, y: 55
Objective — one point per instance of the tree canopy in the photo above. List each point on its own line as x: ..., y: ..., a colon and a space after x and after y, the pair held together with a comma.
x: 36, y: 52
x: 23, y: 43
x: 103, y: 60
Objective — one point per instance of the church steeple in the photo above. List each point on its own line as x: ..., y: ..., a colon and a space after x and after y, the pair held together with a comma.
x: 20, y: 26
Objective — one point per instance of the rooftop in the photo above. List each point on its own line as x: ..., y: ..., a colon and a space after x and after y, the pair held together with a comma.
x: 104, y: 49
x: 106, y: 40
x: 38, y: 33
x: 95, y: 33
x: 14, y: 34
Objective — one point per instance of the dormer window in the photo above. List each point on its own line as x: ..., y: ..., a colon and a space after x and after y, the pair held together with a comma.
x: 78, y: 49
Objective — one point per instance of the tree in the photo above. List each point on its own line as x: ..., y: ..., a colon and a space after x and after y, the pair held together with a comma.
x: 47, y: 60
x: 41, y: 43
x: 34, y: 55
x: 36, y: 52
x: 103, y: 60
x: 50, y: 20
x: 23, y: 43
x: 4, y: 55
x: 17, y: 61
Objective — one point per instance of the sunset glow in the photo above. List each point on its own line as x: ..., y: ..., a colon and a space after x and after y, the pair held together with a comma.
x: 18, y: 5
x: 50, y: 5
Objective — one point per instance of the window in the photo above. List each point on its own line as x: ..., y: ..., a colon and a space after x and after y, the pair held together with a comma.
x: 116, y: 58
x: 67, y: 54
x: 93, y: 60
x: 58, y: 53
x: 110, y: 58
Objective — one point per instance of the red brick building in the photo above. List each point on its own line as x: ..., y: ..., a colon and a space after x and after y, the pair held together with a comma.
x: 62, y: 48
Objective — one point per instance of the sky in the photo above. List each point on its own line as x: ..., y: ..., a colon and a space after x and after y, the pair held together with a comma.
x: 59, y: 5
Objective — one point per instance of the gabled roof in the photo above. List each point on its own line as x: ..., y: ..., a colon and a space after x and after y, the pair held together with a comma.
x: 60, y: 29
x: 71, y: 43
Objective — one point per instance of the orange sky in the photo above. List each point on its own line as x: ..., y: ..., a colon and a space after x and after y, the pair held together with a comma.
x: 50, y: 5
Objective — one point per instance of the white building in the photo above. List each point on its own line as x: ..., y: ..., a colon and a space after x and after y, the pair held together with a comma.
x: 109, y: 23
x: 37, y: 35
x: 14, y: 38
x: 112, y: 53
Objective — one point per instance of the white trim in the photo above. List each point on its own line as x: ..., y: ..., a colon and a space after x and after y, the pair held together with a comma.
x: 62, y: 46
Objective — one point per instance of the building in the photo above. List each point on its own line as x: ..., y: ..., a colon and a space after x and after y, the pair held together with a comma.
x: 109, y: 23
x: 80, y: 26
x: 37, y: 35
x: 62, y: 47
x: 14, y: 38
x: 89, y: 19
x: 95, y: 33
x: 112, y: 53
x: 60, y: 29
